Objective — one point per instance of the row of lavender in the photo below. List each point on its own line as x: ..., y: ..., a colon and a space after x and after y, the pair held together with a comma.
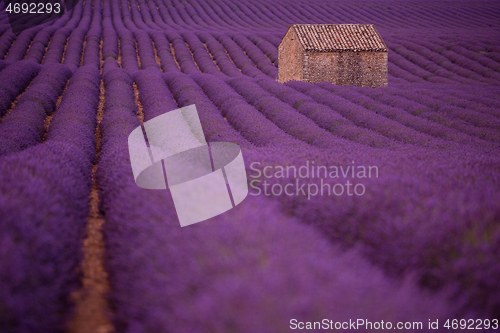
x: 44, y: 194
x: 48, y: 150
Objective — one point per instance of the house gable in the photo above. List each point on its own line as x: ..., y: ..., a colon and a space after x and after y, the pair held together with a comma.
x: 343, y: 54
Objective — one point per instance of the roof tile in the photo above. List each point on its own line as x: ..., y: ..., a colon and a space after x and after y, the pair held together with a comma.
x: 339, y: 37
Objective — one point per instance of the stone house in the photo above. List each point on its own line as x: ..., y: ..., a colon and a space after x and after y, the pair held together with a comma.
x: 343, y: 54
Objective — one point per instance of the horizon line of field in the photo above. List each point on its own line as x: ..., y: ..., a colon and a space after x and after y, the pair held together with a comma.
x: 240, y: 15
x: 251, y: 59
x: 262, y: 56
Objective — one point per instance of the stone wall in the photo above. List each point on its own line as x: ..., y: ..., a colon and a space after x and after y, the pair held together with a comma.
x: 364, y: 69
x: 374, y: 68
x: 290, y: 58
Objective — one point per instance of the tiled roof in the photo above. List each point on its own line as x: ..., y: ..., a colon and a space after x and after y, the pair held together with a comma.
x: 339, y: 37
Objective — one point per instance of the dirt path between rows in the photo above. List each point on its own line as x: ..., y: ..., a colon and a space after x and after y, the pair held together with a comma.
x: 92, y: 313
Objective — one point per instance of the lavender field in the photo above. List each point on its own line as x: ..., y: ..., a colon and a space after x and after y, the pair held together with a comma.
x: 84, y: 249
